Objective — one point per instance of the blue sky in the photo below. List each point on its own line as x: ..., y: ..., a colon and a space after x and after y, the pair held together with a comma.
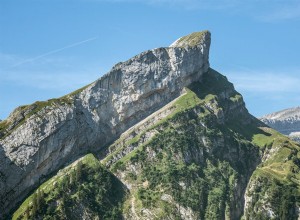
x: 51, y: 47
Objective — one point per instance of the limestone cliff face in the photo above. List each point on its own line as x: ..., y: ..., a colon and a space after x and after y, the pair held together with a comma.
x: 39, y: 139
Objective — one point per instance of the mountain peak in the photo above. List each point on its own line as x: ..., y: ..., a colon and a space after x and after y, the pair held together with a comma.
x: 286, y: 121
x: 284, y: 114
x: 193, y: 39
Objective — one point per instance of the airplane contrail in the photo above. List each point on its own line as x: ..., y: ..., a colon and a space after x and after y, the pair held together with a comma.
x: 54, y: 51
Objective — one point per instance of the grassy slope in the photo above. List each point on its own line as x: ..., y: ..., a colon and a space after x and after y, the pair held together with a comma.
x: 71, y: 192
x: 277, y: 180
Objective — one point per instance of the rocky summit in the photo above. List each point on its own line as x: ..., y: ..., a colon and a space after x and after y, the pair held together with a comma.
x: 286, y: 122
x: 160, y: 136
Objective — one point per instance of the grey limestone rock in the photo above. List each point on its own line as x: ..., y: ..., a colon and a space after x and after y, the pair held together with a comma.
x: 41, y: 138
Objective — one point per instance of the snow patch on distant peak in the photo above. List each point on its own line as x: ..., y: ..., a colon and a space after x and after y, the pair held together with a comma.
x: 286, y: 114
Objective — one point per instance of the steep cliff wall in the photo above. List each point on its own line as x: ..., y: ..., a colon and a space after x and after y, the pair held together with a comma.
x: 40, y: 138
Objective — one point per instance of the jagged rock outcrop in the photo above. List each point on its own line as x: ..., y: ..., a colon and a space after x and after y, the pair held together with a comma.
x: 286, y: 122
x: 40, y: 138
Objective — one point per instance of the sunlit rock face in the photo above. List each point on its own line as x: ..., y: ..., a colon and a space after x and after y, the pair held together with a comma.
x: 38, y: 139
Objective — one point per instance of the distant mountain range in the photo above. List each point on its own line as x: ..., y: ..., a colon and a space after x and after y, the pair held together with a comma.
x: 286, y: 122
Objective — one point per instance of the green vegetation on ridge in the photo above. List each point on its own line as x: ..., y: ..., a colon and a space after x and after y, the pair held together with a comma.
x: 83, y: 188
x: 201, y: 176
x: 191, y: 40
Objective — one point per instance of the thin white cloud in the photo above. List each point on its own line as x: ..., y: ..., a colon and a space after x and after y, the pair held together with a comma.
x: 51, y: 81
x: 266, y: 82
x: 262, y: 10
x: 45, y: 72
x: 52, y: 52
x: 267, y: 91
x: 186, y: 4
x: 8, y: 59
x: 287, y: 11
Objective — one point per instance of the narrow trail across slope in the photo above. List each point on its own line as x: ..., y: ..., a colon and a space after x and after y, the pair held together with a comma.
x: 133, y: 208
